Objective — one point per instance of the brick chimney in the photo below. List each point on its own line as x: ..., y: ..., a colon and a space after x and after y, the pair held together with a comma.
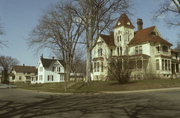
x: 139, y: 24
x: 111, y: 33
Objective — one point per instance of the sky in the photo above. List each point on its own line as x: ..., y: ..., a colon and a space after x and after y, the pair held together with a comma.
x: 19, y: 17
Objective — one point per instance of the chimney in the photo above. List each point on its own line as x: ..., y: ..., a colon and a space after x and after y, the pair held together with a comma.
x: 53, y: 58
x: 139, y: 24
x: 42, y: 56
x: 111, y: 33
x: 23, y: 64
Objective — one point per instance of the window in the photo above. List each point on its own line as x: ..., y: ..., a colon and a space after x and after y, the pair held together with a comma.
x: 139, y: 64
x: 20, y: 77
x: 169, y: 65
x: 136, y: 50
x: 165, y: 49
x: 40, y: 77
x: 58, y: 69
x: 50, y: 78
x: 61, y: 77
x: 97, y: 66
x: 158, y: 49
x: 102, y: 67
x: 140, y: 49
x: 163, y: 64
x: 94, y: 66
x: 41, y: 69
x: 117, y: 38
x: 166, y: 65
x: 53, y: 68
x: 153, y: 33
x: 157, y: 64
x: 118, y: 51
x: 177, y: 67
x: 120, y: 37
x: 100, y: 52
x: 111, y: 52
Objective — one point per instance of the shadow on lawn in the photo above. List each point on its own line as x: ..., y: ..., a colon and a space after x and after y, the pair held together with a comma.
x: 81, y: 106
x: 116, y: 83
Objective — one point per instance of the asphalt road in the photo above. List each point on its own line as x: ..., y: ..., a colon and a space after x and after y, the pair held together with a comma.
x: 16, y: 103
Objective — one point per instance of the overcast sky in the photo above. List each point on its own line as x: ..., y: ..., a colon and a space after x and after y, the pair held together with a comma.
x: 19, y: 17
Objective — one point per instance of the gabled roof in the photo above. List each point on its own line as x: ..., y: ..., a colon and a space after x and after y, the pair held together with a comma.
x: 175, y: 50
x: 47, y: 62
x: 146, y: 35
x: 124, y: 21
x: 108, y: 39
x: 24, y: 69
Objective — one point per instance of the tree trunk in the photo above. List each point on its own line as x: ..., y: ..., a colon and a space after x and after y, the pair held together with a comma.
x: 5, y: 76
x: 88, y: 64
x: 67, y: 75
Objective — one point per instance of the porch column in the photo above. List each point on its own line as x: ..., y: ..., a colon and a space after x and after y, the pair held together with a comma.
x: 142, y: 67
x: 136, y: 63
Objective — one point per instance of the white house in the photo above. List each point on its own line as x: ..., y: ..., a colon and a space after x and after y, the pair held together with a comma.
x: 150, y: 53
x: 49, y: 70
x: 22, y: 73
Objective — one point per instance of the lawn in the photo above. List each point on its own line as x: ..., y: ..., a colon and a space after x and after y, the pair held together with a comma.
x: 99, y: 86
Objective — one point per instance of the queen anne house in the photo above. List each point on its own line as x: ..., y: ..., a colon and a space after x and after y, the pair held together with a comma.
x: 150, y: 54
x: 49, y: 71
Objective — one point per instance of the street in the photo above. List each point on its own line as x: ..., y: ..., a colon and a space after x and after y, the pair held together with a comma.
x: 16, y: 103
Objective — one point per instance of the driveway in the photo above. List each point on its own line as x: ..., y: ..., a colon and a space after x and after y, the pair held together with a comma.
x: 16, y: 103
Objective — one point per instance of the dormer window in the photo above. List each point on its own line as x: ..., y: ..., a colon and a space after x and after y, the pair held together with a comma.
x: 158, y: 49
x: 153, y: 33
x: 165, y: 49
x: 100, y: 52
x: 119, y: 23
x: 128, y: 23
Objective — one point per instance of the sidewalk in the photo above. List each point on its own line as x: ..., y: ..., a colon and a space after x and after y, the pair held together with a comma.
x: 3, y: 86
x: 139, y: 91
x: 108, y: 92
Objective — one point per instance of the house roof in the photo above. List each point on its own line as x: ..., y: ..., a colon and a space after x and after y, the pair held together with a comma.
x: 108, y: 39
x: 175, y: 51
x: 124, y: 21
x: 47, y: 62
x: 25, y: 69
x: 146, y: 35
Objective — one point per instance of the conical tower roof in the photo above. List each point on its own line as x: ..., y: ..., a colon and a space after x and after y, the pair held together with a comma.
x: 124, y: 21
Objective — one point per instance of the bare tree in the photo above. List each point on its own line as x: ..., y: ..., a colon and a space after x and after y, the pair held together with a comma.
x: 168, y: 8
x: 119, y: 69
x: 2, y: 43
x: 79, y: 62
x: 59, y: 31
x: 97, y: 16
x: 178, y: 46
x: 7, y: 62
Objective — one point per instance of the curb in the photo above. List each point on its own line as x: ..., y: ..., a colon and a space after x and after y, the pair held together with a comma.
x: 106, y: 92
x: 141, y: 91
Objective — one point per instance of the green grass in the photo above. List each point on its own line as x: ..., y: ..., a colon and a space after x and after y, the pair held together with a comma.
x: 98, y: 86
